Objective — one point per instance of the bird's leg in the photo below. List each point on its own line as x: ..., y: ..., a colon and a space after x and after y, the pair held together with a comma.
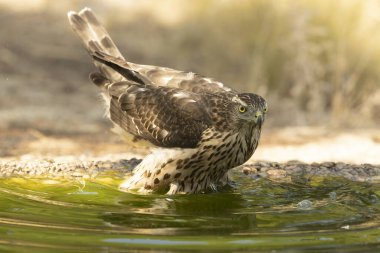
x: 173, y: 188
x: 226, y: 181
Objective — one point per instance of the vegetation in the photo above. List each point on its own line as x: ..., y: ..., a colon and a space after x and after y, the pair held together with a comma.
x: 317, y: 62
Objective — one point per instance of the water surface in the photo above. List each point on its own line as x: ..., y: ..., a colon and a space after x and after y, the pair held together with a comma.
x: 258, y: 215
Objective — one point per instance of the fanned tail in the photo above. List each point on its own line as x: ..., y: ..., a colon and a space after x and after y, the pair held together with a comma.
x: 96, y: 40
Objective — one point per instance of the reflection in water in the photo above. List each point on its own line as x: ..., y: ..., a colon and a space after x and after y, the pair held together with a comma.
x: 257, y: 214
x: 194, y: 214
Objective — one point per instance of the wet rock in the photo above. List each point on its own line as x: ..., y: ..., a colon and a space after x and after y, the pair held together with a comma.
x: 305, y: 204
x: 249, y: 170
x: 339, y: 166
x: 328, y: 164
x: 276, y: 173
x: 27, y: 166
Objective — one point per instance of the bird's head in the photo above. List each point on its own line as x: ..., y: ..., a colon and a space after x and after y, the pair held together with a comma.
x: 249, y: 108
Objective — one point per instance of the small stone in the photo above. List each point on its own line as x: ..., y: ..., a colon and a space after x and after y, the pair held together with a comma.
x: 332, y: 196
x: 328, y: 164
x: 264, y: 169
x: 273, y: 173
x: 305, y: 204
x: 296, y: 170
x: 249, y: 170
x: 340, y: 166
x: 373, y: 198
x: 262, y: 164
x: 293, y: 162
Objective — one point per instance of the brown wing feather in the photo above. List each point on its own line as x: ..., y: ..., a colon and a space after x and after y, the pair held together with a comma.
x: 180, y: 79
x: 166, y: 117
x: 160, y: 76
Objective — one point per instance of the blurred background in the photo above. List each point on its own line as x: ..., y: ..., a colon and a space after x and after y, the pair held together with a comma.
x: 317, y: 62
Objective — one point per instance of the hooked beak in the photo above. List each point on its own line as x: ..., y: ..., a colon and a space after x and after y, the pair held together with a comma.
x: 259, y: 118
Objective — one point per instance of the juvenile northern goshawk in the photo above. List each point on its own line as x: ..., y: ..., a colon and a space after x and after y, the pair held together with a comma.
x: 203, y: 127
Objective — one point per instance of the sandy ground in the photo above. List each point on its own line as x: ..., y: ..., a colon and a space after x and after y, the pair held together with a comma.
x: 305, y: 144
x: 284, y: 154
x: 320, y: 145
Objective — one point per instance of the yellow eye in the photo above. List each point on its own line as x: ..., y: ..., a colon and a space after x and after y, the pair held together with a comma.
x: 265, y: 109
x: 242, y: 109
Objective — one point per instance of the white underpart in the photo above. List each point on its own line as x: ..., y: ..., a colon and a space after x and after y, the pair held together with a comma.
x: 150, y: 162
x: 211, y: 167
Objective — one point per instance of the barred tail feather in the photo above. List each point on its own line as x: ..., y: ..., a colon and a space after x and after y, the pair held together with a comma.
x: 96, y: 39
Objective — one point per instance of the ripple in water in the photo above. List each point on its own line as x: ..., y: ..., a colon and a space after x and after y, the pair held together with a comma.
x: 315, y: 215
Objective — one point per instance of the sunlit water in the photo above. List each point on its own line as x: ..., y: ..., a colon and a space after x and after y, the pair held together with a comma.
x: 320, y: 215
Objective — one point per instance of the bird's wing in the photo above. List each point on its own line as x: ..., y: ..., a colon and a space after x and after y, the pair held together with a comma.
x: 161, y: 76
x: 190, y: 81
x: 165, y: 116
x: 115, y: 68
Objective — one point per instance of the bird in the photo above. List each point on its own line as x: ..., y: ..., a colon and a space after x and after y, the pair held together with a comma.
x: 200, y: 128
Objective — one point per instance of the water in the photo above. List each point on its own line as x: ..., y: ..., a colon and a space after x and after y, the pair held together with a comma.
x: 320, y: 215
